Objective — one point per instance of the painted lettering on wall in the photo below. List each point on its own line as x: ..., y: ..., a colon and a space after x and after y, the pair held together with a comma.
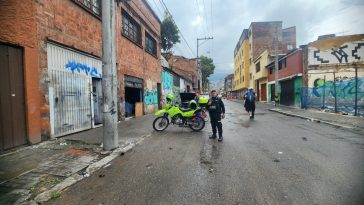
x: 350, y: 52
x: 74, y: 66
x: 150, y: 96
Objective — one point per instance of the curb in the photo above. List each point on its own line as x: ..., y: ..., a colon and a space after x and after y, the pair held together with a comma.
x: 47, y: 195
x: 311, y: 119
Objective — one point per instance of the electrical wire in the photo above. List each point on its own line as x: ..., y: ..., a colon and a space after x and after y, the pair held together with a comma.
x: 169, y: 13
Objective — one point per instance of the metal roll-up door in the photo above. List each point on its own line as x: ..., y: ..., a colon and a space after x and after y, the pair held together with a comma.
x: 70, y: 87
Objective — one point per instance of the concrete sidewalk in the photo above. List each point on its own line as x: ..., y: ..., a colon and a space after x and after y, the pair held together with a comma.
x: 37, y: 173
x: 345, y: 121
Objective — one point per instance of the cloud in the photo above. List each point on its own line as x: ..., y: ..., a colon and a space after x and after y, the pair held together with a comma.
x: 197, y: 21
x: 229, y: 17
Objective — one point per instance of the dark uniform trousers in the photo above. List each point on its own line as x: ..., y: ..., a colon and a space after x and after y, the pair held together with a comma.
x: 215, y: 118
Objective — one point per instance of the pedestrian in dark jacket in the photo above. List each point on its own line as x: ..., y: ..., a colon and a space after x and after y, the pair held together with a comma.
x: 216, y: 110
x: 249, y: 103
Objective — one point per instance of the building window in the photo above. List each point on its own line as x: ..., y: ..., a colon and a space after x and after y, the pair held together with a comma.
x: 285, y: 34
x: 271, y: 70
x: 150, y: 44
x: 257, y: 67
x: 92, y: 6
x: 131, y: 29
x: 282, y: 64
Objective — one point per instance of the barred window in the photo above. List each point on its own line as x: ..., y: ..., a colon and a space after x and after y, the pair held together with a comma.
x: 131, y: 29
x: 150, y: 44
x: 92, y: 6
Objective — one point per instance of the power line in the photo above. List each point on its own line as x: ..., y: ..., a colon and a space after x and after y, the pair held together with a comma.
x: 166, y: 9
x: 205, y: 17
x: 158, y: 8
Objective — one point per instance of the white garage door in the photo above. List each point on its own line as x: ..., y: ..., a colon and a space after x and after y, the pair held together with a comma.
x: 70, y: 100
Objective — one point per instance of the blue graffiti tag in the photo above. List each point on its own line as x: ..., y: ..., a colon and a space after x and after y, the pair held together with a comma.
x: 78, y: 67
x: 150, y: 97
x: 167, y: 80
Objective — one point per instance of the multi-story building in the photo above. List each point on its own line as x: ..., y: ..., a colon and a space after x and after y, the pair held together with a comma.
x: 290, y: 68
x: 54, y: 50
x: 262, y: 36
x: 186, y: 67
x: 260, y: 75
x: 228, y: 85
x: 252, y: 43
x: 241, y: 65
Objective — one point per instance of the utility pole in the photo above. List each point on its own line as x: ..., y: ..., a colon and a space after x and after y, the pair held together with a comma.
x: 198, y: 65
x: 276, y: 68
x: 109, y: 80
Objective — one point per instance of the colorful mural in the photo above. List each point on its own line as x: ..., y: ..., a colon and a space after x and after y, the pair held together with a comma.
x: 341, y: 93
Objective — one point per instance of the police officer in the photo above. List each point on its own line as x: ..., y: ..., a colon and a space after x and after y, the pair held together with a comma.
x: 216, y: 110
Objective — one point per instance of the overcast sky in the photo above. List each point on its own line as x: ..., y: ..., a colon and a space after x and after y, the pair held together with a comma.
x: 225, y: 20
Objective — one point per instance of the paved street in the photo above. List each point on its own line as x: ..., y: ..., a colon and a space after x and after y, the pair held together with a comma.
x: 274, y: 159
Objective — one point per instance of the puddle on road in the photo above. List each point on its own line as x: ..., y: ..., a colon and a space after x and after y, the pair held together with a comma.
x: 210, y: 153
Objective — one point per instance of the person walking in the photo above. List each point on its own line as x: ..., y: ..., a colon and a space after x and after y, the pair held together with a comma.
x: 216, y: 110
x: 249, y: 103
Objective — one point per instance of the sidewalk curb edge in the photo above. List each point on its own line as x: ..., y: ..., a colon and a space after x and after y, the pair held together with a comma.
x: 92, y: 168
x: 311, y: 119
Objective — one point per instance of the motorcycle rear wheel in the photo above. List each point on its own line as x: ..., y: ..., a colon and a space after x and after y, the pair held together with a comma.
x: 200, y: 124
x: 160, y: 123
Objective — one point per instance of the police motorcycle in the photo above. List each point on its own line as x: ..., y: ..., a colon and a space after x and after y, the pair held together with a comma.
x: 184, y: 116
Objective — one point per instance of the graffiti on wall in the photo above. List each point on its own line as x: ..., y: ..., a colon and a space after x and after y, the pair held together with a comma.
x: 338, y: 95
x: 350, y: 52
x: 345, y: 88
x: 167, y: 81
x: 151, y: 96
x: 74, y: 66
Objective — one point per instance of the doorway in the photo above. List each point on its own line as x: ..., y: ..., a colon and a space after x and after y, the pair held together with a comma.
x: 133, y: 95
x: 263, y: 92
x: 13, y: 131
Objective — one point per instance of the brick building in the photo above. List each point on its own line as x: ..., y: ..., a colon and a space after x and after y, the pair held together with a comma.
x: 53, y: 51
x: 185, y: 67
x: 20, y: 119
x: 290, y: 69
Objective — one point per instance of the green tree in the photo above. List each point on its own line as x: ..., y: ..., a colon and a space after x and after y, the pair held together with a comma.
x: 207, y: 69
x: 169, y: 34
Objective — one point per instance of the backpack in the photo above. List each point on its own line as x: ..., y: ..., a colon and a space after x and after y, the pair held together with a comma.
x: 250, y: 97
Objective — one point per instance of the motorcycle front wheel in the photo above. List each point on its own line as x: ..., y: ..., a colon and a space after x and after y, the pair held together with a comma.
x: 197, y: 124
x: 160, y: 123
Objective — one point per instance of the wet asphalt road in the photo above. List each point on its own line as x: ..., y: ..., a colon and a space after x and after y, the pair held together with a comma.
x: 274, y: 159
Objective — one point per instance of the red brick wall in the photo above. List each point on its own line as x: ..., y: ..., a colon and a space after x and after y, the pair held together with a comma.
x: 293, y: 66
x: 263, y: 36
x: 17, y: 20
x: 132, y: 59
x: 288, y: 38
x: 65, y: 22
x: 183, y: 66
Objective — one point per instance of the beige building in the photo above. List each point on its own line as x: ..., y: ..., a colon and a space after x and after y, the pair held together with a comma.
x: 260, y: 75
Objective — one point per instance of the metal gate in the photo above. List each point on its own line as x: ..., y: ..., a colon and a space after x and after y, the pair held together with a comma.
x: 12, y: 104
x: 70, y: 98
x: 287, y: 92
